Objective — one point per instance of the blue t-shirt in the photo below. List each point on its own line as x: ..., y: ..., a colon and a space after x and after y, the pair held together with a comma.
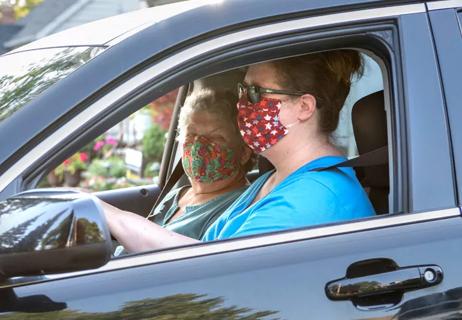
x: 304, y: 198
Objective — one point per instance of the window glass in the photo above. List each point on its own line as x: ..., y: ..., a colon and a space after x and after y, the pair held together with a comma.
x: 371, y: 81
x: 128, y: 154
x: 24, y: 75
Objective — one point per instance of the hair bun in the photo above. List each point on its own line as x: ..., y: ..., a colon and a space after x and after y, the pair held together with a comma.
x: 344, y: 64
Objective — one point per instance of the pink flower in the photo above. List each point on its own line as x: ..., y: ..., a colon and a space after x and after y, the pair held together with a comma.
x: 83, y: 156
x: 110, y: 140
x: 98, y: 145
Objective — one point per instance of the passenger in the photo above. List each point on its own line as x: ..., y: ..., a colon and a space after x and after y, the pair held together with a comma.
x: 287, y: 111
x: 215, y: 159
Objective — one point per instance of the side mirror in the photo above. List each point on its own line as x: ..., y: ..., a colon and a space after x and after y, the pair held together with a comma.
x: 52, y: 231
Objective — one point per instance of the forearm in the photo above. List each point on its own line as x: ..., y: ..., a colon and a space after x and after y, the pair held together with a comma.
x: 137, y: 234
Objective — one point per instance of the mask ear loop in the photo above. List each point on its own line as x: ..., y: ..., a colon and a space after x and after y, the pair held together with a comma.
x: 292, y: 124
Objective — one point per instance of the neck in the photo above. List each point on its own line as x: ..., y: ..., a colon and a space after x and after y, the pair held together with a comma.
x: 293, y: 154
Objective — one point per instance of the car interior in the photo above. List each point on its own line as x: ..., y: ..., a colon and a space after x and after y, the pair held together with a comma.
x: 362, y: 129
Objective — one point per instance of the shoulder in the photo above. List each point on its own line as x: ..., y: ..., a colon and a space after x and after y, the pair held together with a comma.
x: 320, y: 194
x: 336, y: 181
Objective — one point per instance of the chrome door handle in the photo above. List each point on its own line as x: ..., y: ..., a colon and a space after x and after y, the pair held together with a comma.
x: 400, y: 280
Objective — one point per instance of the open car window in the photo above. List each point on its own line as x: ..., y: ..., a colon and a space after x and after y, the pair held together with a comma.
x: 127, y: 155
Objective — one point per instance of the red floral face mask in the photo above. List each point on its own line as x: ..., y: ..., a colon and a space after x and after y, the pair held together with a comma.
x: 259, y: 123
x: 206, y: 161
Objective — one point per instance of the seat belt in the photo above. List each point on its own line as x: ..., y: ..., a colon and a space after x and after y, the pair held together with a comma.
x: 172, y: 179
x: 372, y: 158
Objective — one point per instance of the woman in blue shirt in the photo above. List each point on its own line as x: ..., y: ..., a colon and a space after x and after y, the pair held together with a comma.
x: 287, y: 110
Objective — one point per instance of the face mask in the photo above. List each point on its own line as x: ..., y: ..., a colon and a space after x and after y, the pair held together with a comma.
x: 259, y: 123
x: 207, y: 162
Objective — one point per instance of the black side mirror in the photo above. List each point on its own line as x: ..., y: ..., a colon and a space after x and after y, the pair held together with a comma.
x: 52, y: 231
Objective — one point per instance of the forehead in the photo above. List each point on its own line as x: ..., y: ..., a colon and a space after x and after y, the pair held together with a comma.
x: 204, y: 121
x: 263, y: 75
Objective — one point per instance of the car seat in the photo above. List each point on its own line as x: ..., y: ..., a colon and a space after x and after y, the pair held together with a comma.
x: 370, y: 130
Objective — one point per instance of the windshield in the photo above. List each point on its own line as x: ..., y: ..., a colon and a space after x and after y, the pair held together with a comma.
x: 24, y: 75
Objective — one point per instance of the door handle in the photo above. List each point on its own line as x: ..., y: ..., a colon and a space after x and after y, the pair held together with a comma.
x: 400, y: 280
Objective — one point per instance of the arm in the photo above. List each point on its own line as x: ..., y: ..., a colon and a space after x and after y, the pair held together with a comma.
x: 137, y: 234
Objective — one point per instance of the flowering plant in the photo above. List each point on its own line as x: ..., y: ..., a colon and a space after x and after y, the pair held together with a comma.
x: 77, y: 162
x: 105, y: 146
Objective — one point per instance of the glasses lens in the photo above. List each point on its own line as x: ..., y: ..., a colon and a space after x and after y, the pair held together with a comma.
x: 254, y: 94
x: 251, y: 93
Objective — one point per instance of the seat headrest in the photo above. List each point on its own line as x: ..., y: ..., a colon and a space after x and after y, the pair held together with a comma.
x: 370, y: 122
x: 370, y: 129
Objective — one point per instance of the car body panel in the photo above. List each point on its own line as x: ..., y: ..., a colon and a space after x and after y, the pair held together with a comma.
x: 425, y: 111
x: 288, y: 279
x: 448, y: 42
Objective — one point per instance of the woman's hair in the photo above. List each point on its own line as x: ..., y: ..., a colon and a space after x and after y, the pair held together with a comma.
x: 325, y: 75
x: 222, y: 104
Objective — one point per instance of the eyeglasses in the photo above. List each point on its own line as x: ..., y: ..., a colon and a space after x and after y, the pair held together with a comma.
x: 253, y: 93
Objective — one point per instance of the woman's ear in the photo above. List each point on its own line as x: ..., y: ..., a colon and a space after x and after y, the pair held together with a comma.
x: 307, y: 107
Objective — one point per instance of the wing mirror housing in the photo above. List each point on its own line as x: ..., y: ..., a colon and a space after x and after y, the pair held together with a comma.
x: 52, y: 231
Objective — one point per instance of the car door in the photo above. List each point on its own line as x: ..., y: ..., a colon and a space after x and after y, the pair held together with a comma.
x: 446, y: 21
x: 402, y: 265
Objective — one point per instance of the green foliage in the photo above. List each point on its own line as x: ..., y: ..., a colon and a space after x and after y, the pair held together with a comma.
x: 151, y: 169
x: 77, y: 162
x: 112, y: 167
x: 98, y: 167
x: 153, y: 143
x: 117, y: 167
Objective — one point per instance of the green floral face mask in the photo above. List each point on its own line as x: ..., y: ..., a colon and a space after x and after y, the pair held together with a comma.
x: 207, y: 162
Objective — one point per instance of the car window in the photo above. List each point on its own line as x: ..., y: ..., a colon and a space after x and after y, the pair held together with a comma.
x: 371, y: 81
x: 128, y: 154
x: 24, y: 75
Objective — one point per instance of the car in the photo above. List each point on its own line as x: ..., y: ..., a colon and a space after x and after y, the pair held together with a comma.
x: 59, y: 93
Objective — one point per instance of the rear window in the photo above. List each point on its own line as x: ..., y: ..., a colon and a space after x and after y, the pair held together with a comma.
x: 24, y: 75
